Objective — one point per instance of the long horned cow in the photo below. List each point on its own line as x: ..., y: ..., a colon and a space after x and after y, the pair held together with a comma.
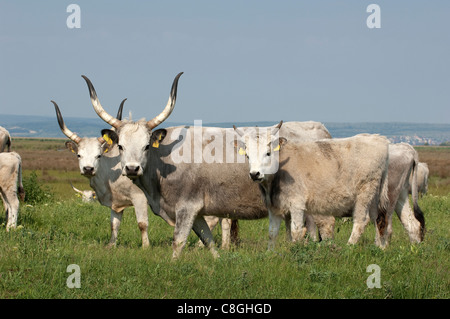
x: 188, y: 190
x: 99, y: 161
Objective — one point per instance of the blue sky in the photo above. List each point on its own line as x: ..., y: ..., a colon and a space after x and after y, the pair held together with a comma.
x: 243, y: 60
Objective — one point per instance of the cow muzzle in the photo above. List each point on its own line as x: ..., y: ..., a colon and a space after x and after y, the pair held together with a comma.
x: 88, y: 171
x: 132, y: 171
x: 256, y: 176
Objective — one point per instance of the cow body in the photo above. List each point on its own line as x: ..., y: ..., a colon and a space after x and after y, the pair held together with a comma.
x: 329, y: 177
x: 5, y: 140
x: 11, y: 186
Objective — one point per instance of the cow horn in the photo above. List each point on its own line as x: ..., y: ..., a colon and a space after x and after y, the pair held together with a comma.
x: 74, y: 137
x: 238, y: 131
x: 277, y: 128
x: 169, y: 106
x: 111, y: 120
x: 75, y: 189
x: 119, y: 112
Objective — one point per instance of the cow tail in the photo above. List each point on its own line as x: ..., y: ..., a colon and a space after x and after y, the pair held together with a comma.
x: 19, y: 181
x: 418, y: 214
x: 383, y: 204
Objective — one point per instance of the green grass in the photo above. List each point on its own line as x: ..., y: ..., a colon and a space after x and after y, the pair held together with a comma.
x: 34, y: 259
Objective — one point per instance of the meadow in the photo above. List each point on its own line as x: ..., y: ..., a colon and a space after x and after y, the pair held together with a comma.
x: 59, y: 230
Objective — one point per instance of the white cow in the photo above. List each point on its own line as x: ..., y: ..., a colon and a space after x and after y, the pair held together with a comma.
x: 328, y: 177
x: 100, y: 162
x: 10, y: 186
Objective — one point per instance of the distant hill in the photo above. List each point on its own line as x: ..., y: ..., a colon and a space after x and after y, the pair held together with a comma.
x: 413, y: 133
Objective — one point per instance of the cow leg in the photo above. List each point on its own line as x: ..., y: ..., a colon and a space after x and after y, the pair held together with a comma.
x: 212, y: 222
x: 274, y: 228
x: 226, y: 233
x: 298, y: 230
x: 141, y: 211
x: 406, y: 216
x: 311, y: 227
x: 12, y: 211
x: 116, y: 218
x: 287, y: 222
x: 200, y: 227
x: 360, y: 221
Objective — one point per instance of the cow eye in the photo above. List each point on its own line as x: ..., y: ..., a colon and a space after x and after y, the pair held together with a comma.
x: 78, y: 155
x: 147, y: 147
x: 120, y: 147
x: 268, y: 154
x: 98, y: 156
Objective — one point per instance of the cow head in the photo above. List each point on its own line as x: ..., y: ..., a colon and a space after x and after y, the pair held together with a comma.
x: 261, y: 146
x: 134, y: 139
x: 86, y: 196
x: 88, y: 150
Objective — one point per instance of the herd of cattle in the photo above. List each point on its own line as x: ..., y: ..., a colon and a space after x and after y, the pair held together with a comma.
x: 294, y: 171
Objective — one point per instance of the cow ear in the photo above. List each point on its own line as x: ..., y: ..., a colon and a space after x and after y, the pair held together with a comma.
x: 281, y: 141
x: 240, y: 146
x: 110, y: 137
x: 72, y: 146
x: 157, y: 137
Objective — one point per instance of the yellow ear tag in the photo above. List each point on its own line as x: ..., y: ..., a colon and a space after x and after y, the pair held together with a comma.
x: 73, y: 151
x: 156, y: 142
x: 241, y: 151
x: 107, y: 139
x: 277, y: 148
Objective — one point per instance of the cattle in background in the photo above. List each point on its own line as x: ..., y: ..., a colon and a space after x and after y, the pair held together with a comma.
x: 328, y: 177
x: 86, y: 196
x: 10, y: 186
x: 403, y: 175
x: 5, y: 140
x: 422, y: 178
x: 99, y: 161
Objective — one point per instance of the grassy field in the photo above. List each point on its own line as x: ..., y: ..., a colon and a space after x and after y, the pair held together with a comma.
x: 62, y: 230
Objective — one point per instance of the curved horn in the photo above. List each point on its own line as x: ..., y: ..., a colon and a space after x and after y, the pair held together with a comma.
x: 169, y: 106
x: 119, y: 112
x: 76, y: 189
x: 238, y: 131
x: 74, y: 137
x: 276, y: 128
x: 111, y: 120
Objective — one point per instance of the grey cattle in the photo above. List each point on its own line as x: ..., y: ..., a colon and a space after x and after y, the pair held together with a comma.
x: 5, y: 140
x: 403, y: 175
x: 332, y: 177
x: 11, y: 186
x: 99, y: 161
x: 186, y: 172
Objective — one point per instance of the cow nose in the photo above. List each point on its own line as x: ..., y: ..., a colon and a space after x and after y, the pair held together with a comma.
x: 132, y: 170
x: 88, y: 170
x: 254, y: 175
